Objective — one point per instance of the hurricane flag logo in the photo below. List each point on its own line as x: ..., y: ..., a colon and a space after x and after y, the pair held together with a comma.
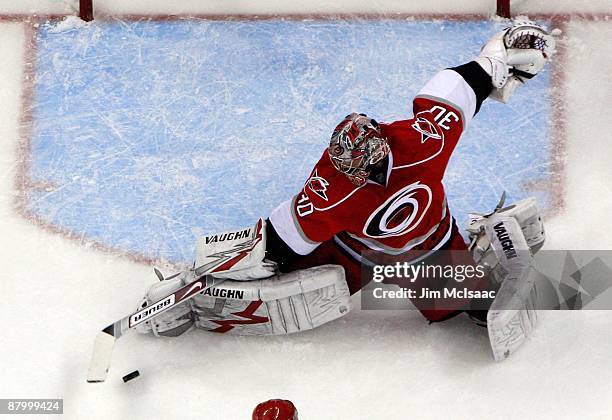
x: 318, y: 185
x: 427, y: 129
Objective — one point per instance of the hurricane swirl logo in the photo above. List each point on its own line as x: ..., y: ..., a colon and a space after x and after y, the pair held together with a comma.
x: 401, y: 213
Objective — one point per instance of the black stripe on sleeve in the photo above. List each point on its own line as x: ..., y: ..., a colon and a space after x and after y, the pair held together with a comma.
x: 478, y: 79
x: 277, y: 250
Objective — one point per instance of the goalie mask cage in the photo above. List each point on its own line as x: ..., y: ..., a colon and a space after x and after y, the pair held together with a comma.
x: 86, y: 9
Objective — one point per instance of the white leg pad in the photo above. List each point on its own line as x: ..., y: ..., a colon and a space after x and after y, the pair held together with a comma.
x: 512, y: 316
x: 292, y: 302
x: 510, y: 326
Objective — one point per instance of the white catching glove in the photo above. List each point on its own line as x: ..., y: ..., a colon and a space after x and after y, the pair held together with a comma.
x: 516, y: 54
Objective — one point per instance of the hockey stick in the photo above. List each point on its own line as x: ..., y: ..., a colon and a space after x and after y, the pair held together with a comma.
x: 105, y: 340
x: 223, y: 262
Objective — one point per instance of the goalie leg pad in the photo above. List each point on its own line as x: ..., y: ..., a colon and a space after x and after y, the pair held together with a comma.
x: 512, y: 315
x: 292, y: 302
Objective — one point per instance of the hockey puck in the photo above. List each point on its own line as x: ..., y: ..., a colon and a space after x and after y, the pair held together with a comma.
x: 131, y: 376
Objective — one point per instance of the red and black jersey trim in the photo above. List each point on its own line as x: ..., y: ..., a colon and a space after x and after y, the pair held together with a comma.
x: 478, y: 79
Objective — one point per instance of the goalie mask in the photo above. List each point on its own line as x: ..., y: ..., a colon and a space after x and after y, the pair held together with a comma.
x: 355, y: 145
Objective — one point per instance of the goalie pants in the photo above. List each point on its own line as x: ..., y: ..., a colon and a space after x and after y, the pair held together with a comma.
x: 331, y: 253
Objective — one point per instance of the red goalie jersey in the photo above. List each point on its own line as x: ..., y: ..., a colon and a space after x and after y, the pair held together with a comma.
x: 402, y: 209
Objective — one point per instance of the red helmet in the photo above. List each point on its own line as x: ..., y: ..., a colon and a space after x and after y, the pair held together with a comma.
x: 275, y: 410
x: 357, y: 143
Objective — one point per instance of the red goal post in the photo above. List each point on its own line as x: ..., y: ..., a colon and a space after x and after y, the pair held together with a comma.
x: 86, y: 10
x: 503, y: 8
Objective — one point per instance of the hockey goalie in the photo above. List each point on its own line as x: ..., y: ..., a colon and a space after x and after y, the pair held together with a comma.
x: 377, y: 187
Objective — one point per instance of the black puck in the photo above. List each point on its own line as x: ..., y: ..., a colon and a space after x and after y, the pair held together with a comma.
x: 131, y: 376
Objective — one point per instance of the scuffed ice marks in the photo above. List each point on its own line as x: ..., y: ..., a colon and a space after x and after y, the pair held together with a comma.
x: 151, y: 133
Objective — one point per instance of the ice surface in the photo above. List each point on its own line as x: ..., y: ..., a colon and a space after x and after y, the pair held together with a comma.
x: 369, y: 365
x: 151, y: 133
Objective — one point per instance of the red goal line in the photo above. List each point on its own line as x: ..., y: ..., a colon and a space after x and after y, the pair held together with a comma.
x: 86, y: 9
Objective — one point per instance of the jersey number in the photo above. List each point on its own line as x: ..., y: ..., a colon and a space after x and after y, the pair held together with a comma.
x: 304, y: 206
x: 443, y: 116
